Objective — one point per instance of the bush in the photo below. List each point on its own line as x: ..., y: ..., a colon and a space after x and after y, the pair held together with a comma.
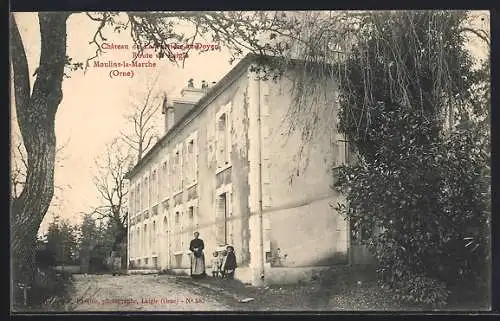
x: 419, y: 196
x: 420, y: 289
x: 50, y: 288
x: 425, y: 213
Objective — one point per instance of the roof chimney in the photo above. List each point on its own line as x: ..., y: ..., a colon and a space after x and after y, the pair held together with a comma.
x: 168, y: 111
x: 179, y: 106
x: 165, y: 104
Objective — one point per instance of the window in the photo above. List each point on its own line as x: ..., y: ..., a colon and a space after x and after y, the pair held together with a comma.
x: 154, y: 197
x: 138, y: 242
x: 145, y: 192
x: 221, y: 220
x: 131, y: 203
x: 190, y: 224
x: 153, y: 238
x: 191, y: 161
x: 131, y: 242
x: 182, y: 235
x: 222, y: 141
x: 345, y: 152
x: 177, y: 172
x: 164, y: 233
x: 164, y: 185
x: 178, y: 232
x: 150, y: 189
x: 159, y: 179
x: 156, y: 188
x: 170, y: 178
x: 138, y: 196
x: 145, y: 240
x: 359, y: 231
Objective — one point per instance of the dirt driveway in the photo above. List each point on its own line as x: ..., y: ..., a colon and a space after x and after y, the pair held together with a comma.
x: 138, y: 293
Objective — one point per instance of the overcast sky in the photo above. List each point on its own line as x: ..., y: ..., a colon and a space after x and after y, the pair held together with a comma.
x: 91, y: 112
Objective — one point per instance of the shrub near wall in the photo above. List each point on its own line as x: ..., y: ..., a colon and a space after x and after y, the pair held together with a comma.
x: 425, y: 215
x: 420, y: 193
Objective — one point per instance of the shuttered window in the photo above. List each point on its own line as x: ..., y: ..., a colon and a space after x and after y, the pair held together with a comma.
x: 221, y: 216
x: 223, y: 136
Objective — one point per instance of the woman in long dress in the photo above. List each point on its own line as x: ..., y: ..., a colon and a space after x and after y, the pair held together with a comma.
x: 198, y: 257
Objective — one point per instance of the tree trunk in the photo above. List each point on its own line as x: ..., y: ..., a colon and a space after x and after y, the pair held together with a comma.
x: 36, y: 119
x: 121, y: 233
x: 120, y: 237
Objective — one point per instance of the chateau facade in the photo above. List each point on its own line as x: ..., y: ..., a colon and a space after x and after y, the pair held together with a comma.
x: 227, y: 169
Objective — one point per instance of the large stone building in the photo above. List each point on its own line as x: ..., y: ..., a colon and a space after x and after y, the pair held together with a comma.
x: 226, y: 168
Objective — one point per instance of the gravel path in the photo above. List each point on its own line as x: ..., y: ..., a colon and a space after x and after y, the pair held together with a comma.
x: 138, y: 293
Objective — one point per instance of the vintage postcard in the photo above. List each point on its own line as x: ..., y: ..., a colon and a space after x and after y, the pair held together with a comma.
x: 250, y: 161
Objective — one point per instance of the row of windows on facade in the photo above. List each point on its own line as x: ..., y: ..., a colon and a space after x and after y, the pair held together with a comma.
x: 143, y: 241
x: 178, y: 170
x: 146, y: 240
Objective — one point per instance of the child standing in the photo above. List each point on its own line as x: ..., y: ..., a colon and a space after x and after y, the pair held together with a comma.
x: 216, y: 265
x: 230, y: 263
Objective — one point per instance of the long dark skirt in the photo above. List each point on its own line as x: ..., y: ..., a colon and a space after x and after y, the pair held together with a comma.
x: 198, y: 266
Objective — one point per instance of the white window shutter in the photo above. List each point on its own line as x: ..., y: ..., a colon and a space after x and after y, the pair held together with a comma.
x: 179, y: 169
x: 180, y: 245
x: 168, y: 178
x: 230, y: 217
x: 182, y: 173
x: 218, y: 141
x: 185, y: 172
x: 195, y: 214
x: 229, y: 123
x: 195, y: 170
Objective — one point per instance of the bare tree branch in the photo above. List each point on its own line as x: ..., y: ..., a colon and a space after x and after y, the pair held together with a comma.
x: 98, y: 37
x: 112, y: 187
x: 481, y: 34
x: 142, y: 118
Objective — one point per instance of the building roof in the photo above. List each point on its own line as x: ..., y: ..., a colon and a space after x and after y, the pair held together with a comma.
x: 213, y: 92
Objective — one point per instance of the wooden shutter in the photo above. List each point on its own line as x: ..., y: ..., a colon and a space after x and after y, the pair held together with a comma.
x: 195, y: 158
x: 229, y: 209
x: 220, y: 223
x: 228, y: 132
x: 168, y: 178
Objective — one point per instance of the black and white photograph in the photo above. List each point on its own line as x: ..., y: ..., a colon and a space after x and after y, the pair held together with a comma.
x: 250, y: 161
